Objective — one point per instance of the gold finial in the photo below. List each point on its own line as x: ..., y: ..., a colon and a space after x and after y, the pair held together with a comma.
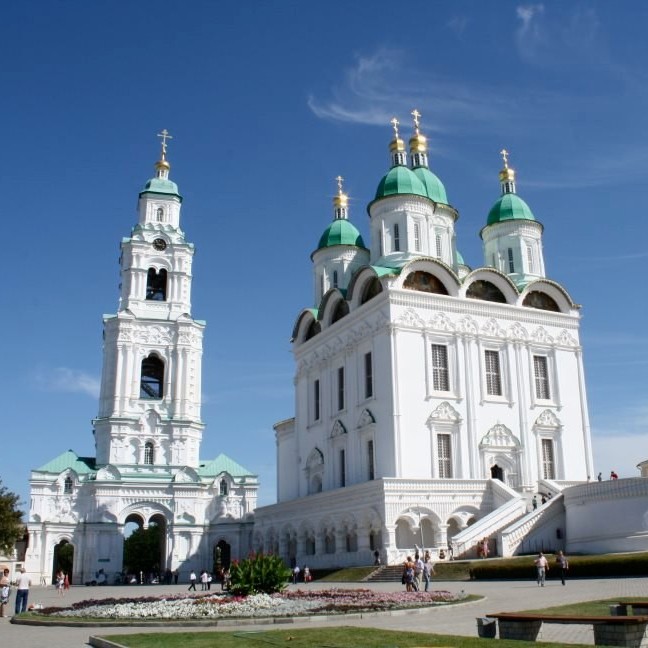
x: 417, y: 122
x: 504, y: 153
x: 341, y: 200
x: 339, y: 181
x: 165, y: 136
x: 394, y: 122
x: 507, y: 174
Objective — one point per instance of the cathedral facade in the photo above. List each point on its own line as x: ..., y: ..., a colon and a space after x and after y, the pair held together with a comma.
x: 432, y: 400
x: 148, y: 431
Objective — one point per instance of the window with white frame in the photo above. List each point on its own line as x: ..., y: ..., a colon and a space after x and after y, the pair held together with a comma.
x: 371, y: 464
x: 335, y: 278
x: 510, y: 260
x: 529, y: 251
x: 444, y: 455
x: 417, y: 237
x: 439, y: 245
x: 548, y: 459
x: 493, y: 373
x: 396, y: 238
x: 68, y: 486
x: 440, y: 381
x: 321, y: 286
x: 316, y: 400
x: 541, y: 375
x: 340, y: 388
x: 368, y: 375
x: 148, y: 453
x: 342, y: 467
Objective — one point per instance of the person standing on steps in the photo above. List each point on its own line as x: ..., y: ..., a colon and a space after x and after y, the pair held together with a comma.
x: 542, y: 567
x: 563, y: 565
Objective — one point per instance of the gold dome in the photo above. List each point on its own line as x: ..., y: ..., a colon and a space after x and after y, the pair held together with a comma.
x: 341, y: 200
x: 507, y: 174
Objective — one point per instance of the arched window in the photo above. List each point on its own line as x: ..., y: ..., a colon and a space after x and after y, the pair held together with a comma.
x: 372, y: 289
x: 425, y: 282
x: 223, y: 487
x: 152, y: 380
x: 341, y: 310
x: 396, y: 238
x: 68, y: 485
x: 537, y: 299
x: 313, y: 329
x: 148, y: 453
x: 160, y: 215
x: 156, y: 284
x: 485, y: 291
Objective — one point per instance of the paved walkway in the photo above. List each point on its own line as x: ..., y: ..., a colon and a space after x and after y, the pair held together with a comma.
x: 455, y: 620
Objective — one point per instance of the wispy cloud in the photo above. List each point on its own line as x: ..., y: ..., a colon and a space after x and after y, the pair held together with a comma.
x: 65, y: 379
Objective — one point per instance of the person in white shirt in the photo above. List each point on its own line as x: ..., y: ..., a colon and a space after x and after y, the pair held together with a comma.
x: 23, y: 583
x: 542, y: 567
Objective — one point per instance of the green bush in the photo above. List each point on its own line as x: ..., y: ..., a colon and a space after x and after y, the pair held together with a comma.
x: 260, y: 573
x: 603, y: 566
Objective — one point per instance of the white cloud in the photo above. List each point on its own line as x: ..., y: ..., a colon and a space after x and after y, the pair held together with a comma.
x: 64, y: 379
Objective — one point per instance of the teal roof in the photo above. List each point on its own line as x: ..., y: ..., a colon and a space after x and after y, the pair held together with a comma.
x: 221, y: 464
x: 161, y: 186
x: 433, y: 186
x: 460, y: 259
x: 383, y: 271
x: 400, y: 180
x: 340, y: 232
x: 69, y: 459
x: 509, y: 207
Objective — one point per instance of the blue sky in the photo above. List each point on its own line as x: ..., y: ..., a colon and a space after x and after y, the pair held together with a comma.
x: 267, y: 103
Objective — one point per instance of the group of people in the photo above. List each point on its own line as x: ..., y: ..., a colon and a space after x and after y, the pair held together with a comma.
x: 305, y: 574
x: 62, y: 582
x: 206, y: 578
x: 542, y: 567
x: 417, y: 571
x: 22, y: 583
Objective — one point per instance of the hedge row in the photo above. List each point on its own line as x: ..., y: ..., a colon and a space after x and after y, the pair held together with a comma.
x: 634, y: 564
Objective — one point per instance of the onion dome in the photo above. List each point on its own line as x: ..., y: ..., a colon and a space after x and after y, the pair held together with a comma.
x: 340, y: 231
x: 161, y: 184
x: 418, y: 154
x: 399, y: 179
x: 509, y: 206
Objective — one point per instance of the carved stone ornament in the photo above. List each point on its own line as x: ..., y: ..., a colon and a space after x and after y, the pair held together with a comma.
x: 565, y: 339
x: 108, y: 473
x: 444, y: 412
x: 493, y: 329
x: 548, y: 419
x: 518, y: 332
x: 541, y: 336
x: 338, y: 429
x: 366, y: 418
x: 441, y: 322
x: 411, y: 319
x: 467, y: 325
x: 499, y: 436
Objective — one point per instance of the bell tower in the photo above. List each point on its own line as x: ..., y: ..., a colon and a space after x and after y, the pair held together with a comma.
x: 149, y: 405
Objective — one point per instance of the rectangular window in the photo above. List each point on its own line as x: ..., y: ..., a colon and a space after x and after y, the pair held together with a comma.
x: 342, y: 468
x: 444, y: 454
x: 439, y: 247
x: 440, y: 380
x: 340, y: 388
x: 396, y: 238
x: 316, y: 400
x: 493, y: 261
x: 493, y: 373
x: 541, y: 374
x: 368, y: 371
x: 417, y: 237
x: 371, y: 473
x: 321, y: 286
x: 530, y: 258
x: 548, y: 463
x: 510, y: 260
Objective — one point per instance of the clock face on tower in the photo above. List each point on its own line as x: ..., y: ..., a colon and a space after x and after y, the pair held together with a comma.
x: 159, y: 244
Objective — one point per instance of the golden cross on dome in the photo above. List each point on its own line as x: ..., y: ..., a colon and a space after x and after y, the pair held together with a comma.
x: 417, y: 121
x: 165, y: 136
x: 339, y: 181
x: 504, y: 153
x: 394, y: 122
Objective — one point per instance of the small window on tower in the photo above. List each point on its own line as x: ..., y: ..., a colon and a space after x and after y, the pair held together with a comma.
x: 335, y: 278
x: 396, y: 238
x: 223, y: 487
x: 68, y: 485
x: 160, y: 215
x: 156, y: 285
x: 148, y: 453
x: 152, y: 381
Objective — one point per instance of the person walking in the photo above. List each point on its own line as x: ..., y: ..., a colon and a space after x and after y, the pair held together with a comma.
x: 419, y: 567
x: 428, y: 569
x: 296, y: 571
x: 60, y: 582
x: 192, y: 580
x: 5, y: 589
x: 542, y: 567
x: 563, y: 565
x: 23, y: 583
x: 408, y: 574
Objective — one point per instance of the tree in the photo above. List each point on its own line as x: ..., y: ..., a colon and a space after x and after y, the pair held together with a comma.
x: 142, y: 550
x: 11, y: 526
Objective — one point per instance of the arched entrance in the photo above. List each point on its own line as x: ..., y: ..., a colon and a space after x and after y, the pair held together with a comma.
x: 497, y: 472
x: 159, y: 521
x: 222, y: 556
x: 63, y: 559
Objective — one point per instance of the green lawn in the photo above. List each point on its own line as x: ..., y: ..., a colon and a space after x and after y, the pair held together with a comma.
x: 315, y: 638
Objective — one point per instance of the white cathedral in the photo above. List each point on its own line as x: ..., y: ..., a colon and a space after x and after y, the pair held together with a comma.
x: 148, y: 431
x: 431, y: 399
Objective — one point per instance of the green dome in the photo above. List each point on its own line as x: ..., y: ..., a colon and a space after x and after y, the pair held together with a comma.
x: 400, y: 180
x: 509, y: 207
x: 340, y: 232
x: 460, y: 259
x: 433, y: 186
x: 160, y: 186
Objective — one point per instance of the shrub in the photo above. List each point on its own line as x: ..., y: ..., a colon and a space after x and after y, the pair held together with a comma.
x: 260, y: 573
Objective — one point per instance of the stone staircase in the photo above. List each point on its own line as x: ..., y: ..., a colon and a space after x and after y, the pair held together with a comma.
x: 386, y: 574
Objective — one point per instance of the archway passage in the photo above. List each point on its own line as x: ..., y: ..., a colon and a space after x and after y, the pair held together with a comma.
x: 497, y: 472
x: 222, y: 556
x: 63, y: 560
x: 145, y: 549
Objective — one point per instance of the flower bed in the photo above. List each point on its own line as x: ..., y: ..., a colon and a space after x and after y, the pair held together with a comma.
x: 292, y: 603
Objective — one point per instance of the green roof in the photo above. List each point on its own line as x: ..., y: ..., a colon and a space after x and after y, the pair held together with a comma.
x: 460, y: 259
x: 509, y: 207
x: 433, y: 186
x: 340, y: 232
x: 69, y: 459
x: 161, y: 186
x: 221, y: 464
x: 400, y: 180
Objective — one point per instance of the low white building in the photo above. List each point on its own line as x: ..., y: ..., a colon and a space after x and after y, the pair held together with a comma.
x: 148, y: 431
x: 430, y: 399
